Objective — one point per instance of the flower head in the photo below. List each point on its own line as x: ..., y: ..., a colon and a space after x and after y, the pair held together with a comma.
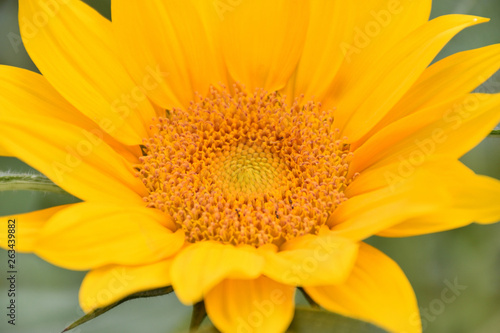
x: 237, y: 150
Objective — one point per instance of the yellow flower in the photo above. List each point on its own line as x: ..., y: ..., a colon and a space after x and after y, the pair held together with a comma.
x: 237, y: 150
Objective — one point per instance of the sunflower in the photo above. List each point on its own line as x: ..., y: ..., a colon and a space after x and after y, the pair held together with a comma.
x: 239, y: 150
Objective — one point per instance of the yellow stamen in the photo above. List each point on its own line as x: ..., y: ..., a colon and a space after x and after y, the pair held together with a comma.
x: 246, y: 169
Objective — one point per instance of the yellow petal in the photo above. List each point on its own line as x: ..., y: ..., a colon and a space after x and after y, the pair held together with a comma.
x: 344, y: 32
x: 76, y: 159
x: 311, y: 260
x: 378, y: 26
x: 366, y: 101
x: 25, y: 93
x: 4, y: 151
x: 262, y: 40
x: 471, y: 199
x: 368, y: 213
x: 259, y: 305
x: 27, y: 228
x: 377, y: 291
x: 109, y: 284
x: 377, y: 179
x: 330, y: 24
x: 201, y: 266
x: 90, y: 235
x: 167, y: 38
x: 447, y: 130
x: 452, y: 77
x: 402, y: 200
x: 74, y: 48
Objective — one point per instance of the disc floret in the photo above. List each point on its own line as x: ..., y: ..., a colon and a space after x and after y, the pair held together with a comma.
x: 244, y: 168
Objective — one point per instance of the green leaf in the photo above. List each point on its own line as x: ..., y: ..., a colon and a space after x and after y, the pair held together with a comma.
x: 99, y: 311
x: 199, y: 314
x: 308, y: 320
x: 321, y: 321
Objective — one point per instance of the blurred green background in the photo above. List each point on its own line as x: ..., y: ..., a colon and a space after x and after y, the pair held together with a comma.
x: 47, y: 295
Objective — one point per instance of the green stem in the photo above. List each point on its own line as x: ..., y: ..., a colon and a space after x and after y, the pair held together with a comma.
x: 10, y: 181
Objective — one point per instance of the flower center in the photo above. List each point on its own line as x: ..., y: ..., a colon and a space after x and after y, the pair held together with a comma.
x: 246, y: 169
